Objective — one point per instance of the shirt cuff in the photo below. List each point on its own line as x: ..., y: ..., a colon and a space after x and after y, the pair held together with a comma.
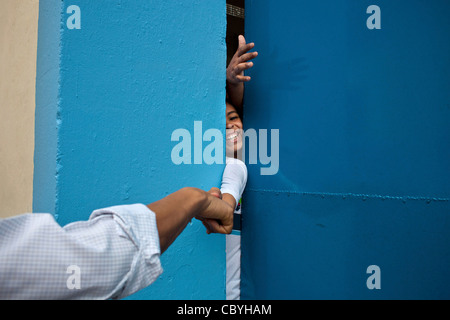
x: 138, y: 223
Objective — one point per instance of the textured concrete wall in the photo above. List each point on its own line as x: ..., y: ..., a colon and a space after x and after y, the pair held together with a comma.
x: 114, y: 85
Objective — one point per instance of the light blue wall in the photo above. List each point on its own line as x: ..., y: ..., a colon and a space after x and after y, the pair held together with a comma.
x: 47, y: 93
x: 364, y: 150
x: 109, y: 96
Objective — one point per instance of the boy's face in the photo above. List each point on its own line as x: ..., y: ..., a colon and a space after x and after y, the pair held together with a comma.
x: 234, y: 131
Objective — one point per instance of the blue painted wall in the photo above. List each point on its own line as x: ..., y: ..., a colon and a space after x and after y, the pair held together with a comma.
x: 364, y: 150
x: 109, y: 97
x: 47, y: 92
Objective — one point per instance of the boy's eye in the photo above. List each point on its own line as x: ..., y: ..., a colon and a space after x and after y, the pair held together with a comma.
x: 233, y: 118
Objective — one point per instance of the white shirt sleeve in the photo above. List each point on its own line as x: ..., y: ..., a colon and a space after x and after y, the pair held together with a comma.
x: 234, y: 178
x: 110, y: 256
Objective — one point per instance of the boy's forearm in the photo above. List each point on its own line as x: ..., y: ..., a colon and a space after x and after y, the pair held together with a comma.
x: 236, y: 94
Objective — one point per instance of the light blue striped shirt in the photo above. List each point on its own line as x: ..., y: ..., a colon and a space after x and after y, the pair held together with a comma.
x: 110, y: 256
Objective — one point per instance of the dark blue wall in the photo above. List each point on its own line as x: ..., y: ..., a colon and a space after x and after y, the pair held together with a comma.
x: 364, y: 150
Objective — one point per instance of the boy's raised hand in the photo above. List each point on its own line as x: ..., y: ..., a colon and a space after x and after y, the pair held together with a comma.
x: 240, y: 62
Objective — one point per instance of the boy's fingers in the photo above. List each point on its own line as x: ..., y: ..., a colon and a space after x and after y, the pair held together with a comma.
x: 215, y: 192
x: 208, y: 228
x: 243, y: 66
x: 218, y: 228
x: 248, y: 56
x: 241, y: 40
x: 245, y: 48
x: 243, y: 78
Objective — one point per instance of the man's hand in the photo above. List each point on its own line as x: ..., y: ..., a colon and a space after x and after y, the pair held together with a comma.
x: 174, y: 211
x: 240, y: 62
x: 218, y: 217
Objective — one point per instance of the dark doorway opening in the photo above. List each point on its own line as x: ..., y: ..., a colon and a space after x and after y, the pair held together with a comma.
x: 235, y: 25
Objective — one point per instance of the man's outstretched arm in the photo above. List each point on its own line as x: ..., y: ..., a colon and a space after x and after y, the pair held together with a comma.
x: 175, y: 211
x: 113, y: 254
